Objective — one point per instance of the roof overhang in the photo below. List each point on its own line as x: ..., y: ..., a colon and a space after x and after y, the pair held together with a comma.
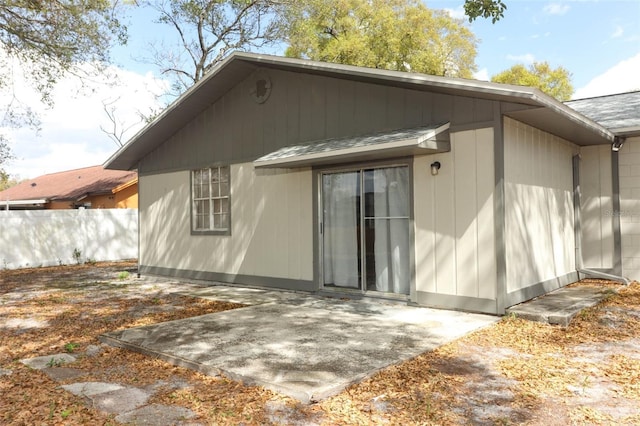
x: 398, y: 143
x: 559, y: 118
x: 564, y: 122
x: 627, y: 131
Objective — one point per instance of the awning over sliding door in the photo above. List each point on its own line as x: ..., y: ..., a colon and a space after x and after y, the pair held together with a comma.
x: 397, y: 143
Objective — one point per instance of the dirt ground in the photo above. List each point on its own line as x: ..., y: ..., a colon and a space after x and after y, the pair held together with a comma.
x: 515, y: 372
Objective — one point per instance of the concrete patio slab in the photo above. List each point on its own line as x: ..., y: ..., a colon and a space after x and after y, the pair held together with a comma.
x: 48, y: 361
x: 304, y: 346
x: 560, y: 306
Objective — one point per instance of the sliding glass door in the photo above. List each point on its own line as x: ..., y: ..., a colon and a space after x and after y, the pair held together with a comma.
x: 365, y: 229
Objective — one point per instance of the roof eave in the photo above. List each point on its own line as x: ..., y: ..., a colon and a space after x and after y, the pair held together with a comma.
x: 631, y: 131
x: 23, y: 202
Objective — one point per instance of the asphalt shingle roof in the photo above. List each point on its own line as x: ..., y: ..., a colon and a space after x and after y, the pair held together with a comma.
x: 615, y: 112
x: 68, y: 185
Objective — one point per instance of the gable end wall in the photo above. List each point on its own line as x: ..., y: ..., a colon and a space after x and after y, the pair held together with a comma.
x: 303, y: 108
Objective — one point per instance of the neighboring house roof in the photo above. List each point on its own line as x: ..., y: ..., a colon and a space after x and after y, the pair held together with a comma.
x: 125, y: 185
x: 71, y: 185
x: 539, y: 109
x: 619, y: 113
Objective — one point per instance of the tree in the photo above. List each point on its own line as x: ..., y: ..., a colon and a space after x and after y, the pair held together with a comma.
x: 399, y: 35
x: 7, y: 181
x: 493, y: 9
x: 555, y: 82
x: 45, y: 40
x: 51, y: 37
x: 5, y: 156
x: 207, y: 31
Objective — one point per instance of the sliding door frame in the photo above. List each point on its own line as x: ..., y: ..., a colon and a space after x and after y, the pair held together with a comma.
x: 319, y: 172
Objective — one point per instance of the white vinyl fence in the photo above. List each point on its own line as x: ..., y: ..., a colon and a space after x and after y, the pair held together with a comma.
x: 52, y: 237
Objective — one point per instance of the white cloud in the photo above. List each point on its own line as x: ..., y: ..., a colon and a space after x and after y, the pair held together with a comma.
x: 618, y: 32
x: 457, y: 13
x: 71, y: 135
x: 482, y: 74
x: 556, y: 8
x: 622, y: 77
x: 527, y: 58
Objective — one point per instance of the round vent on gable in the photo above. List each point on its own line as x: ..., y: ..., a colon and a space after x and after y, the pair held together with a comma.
x: 260, y: 86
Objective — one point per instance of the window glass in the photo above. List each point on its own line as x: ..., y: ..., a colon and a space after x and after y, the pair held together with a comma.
x: 210, y: 199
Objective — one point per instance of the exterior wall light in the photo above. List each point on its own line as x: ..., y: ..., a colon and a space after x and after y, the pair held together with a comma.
x: 435, y: 166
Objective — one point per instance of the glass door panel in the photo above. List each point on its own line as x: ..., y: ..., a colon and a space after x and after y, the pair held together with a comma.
x: 365, y: 218
x: 386, y: 224
x: 341, y: 230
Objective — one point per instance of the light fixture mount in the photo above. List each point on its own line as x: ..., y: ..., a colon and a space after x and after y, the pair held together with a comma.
x: 435, y: 167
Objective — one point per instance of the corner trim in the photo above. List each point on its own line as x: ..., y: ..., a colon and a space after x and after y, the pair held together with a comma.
x: 615, y: 220
x: 499, y: 209
x: 249, y: 280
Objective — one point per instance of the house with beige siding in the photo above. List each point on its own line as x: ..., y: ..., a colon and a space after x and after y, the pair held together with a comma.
x: 611, y: 188
x: 350, y: 181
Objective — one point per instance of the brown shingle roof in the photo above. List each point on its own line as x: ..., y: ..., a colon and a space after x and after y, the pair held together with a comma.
x: 69, y: 185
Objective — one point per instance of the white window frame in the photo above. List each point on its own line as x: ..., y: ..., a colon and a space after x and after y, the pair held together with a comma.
x: 213, y: 195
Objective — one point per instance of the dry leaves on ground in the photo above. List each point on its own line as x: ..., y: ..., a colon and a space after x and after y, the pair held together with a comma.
x: 515, y: 372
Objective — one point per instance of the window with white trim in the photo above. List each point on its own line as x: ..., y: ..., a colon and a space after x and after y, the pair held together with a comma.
x: 210, y: 192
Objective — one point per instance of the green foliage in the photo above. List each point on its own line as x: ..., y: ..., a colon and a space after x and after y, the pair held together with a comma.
x: 70, y: 347
x: 123, y: 275
x: 6, y: 181
x: 5, y: 156
x: 493, y: 9
x: 54, y: 362
x: 399, y: 35
x: 555, y: 82
x: 77, y: 255
x: 51, y: 37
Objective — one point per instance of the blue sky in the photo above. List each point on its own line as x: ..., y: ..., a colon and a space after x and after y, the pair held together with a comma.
x: 597, y: 41
x: 587, y: 37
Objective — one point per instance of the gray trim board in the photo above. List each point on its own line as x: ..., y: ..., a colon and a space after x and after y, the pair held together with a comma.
x: 499, y: 209
x: 413, y: 284
x: 472, y: 126
x: 540, y: 288
x: 140, y: 199
x: 577, y: 208
x: 460, y: 303
x: 250, y: 280
x: 316, y: 203
x: 615, y: 220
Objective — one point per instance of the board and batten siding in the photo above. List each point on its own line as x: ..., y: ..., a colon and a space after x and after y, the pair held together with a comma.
x: 539, y: 216
x: 454, y: 225
x: 303, y: 108
x: 596, y: 207
x: 271, y: 228
x: 629, y: 169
